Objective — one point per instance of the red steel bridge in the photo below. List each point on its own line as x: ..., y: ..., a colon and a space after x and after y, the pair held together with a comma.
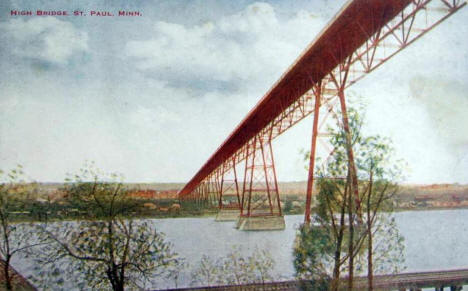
x: 359, y: 39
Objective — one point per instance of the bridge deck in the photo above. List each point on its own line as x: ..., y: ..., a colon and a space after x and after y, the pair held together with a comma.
x: 348, y: 30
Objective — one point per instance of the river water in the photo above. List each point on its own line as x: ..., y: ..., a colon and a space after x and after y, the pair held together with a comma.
x: 434, y: 240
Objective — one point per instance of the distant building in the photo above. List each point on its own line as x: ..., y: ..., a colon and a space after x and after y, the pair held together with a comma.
x: 153, y: 194
x: 145, y: 194
x: 167, y: 194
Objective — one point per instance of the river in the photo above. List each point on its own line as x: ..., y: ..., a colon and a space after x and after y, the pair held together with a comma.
x: 434, y: 240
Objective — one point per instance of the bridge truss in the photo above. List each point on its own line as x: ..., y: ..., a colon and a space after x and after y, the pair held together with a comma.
x: 362, y: 36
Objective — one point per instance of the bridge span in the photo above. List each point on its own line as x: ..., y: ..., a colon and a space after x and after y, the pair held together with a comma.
x: 362, y: 36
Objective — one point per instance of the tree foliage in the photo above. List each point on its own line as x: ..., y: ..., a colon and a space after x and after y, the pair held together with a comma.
x: 312, y: 259
x: 346, y: 226
x: 234, y: 269
x: 107, y: 251
x: 14, y: 237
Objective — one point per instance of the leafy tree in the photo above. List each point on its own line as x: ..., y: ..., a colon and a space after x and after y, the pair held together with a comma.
x: 262, y: 264
x: 288, y: 206
x: 312, y: 259
x: 379, y: 174
x: 108, y: 250
x: 176, y: 269
x: 344, y: 225
x: 320, y: 248
x: 207, y: 273
x: 235, y: 269
x: 14, y: 237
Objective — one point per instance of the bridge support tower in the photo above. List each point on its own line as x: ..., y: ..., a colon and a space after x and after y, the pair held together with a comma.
x: 229, y: 196
x: 260, y: 202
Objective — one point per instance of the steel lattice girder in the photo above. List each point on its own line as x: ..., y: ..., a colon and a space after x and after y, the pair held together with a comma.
x: 365, y: 32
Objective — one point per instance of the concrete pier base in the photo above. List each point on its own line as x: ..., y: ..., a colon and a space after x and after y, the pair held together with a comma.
x: 273, y: 222
x: 228, y: 215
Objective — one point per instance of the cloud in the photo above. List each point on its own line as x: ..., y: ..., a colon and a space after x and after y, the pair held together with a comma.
x: 143, y: 135
x: 250, y: 46
x: 446, y: 103
x: 44, y: 39
x: 131, y: 107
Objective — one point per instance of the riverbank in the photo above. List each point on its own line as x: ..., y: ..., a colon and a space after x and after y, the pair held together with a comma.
x: 48, y: 201
x: 433, y: 240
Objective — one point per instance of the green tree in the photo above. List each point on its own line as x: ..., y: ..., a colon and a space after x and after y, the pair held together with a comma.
x: 262, y: 264
x: 108, y: 251
x: 288, y: 206
x: 378, y: 173
x: 234, y: 269
x: 312, y: 259
x: 344, y: 225
x: 14, y: 237
x: 207, y: 272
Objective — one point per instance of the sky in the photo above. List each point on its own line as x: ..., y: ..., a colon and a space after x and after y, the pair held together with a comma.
x: 153, y: 96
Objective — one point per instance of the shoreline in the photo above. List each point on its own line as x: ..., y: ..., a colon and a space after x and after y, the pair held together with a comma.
x: 207, y: 214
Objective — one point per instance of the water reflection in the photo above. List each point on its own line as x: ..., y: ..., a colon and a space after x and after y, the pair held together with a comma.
x: 436, y: 239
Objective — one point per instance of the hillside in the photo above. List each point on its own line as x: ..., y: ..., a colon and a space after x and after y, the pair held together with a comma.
x: 409, y: 196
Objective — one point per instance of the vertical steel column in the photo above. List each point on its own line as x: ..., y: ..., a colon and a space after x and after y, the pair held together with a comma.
x: 207, y: 191
x: 274, y: 177
x: 341, y: 85
x: 235, y: 179
x: 218, y: 186
x: 349, y: 149
x: 310, y: 180
x: 266, y: 175
x: 212, y: 189
x: 245, y: 178
x: 202, y: 193
x: 252, y: 174
x: 220, y: 204
x: 215, y: 189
